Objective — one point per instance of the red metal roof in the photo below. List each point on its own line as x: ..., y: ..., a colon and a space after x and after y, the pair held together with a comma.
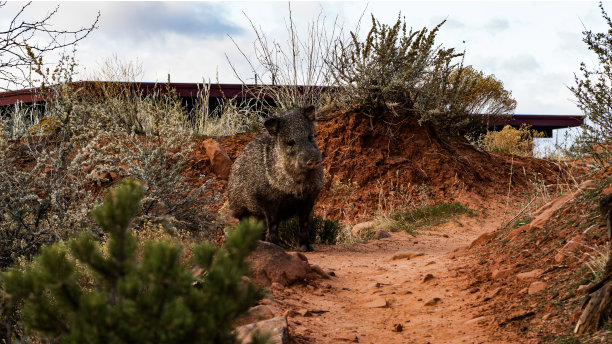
x: 554, y: 121
x: 32, y: 95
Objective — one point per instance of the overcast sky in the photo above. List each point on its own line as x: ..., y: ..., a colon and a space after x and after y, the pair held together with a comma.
x: 533, y: 47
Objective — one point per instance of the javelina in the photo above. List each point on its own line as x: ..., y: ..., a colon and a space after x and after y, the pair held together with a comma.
x: 278, y: 175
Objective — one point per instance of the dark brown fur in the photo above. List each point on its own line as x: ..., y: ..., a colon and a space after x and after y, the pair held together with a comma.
x: 278, y: 175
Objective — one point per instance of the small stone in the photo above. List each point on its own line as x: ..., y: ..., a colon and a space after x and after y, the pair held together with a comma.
x: 492, y: 294
x: 290, y: 313
x: 546, y: 316
x: 268, y: 301
x: 262, y: 312
x: 536, y: 287
x: 582, y: 289
x: 433, y: 301
x: 304, y: 312
x: 445, y: 235
x: 428, y: 277
x: 406, y: 255
x: 277, y: 286
x: 398, y: 328
x: 482, y: 239
x: 276, y: 327
x: 220, y: 161
x: 331, y: 273
x: 430, y: 263
x: 519, y: 314
x: 530, y: 274
x: 500, y: 273
x: 476, y: 320
x: 379, y: 302
x: 363, y: 226
x: 560, y: 257
x: 317, y: 269
x: 382, y: 234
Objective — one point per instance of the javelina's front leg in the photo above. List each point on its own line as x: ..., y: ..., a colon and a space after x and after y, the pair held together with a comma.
x: 272, y: 229
x: 304, y: 234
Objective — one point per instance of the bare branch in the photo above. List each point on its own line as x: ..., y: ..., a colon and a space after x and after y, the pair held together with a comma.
x: 25, y: 43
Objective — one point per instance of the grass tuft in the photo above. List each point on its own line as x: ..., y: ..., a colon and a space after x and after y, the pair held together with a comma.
x: 322, y: 231
x: 427, y: 216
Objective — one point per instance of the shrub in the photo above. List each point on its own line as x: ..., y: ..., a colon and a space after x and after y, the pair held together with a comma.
x: 161, y: 163
x: 511, y: 140
x: 49, y: 187
x: 291, y: 71
x: 322, y: 231
x: 157, y: 299
x: 395, y: 72
x: 53, y: 167
x: 45, y: 196
x: 594, y: 95
x: 229, y: 117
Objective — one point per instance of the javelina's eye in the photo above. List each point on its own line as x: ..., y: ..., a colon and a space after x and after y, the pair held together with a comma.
x: 290, y: 143
x: 310, y: 138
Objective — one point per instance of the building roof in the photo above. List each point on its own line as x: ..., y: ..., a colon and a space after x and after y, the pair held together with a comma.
x: 544, y: 123
x: 188, y: 90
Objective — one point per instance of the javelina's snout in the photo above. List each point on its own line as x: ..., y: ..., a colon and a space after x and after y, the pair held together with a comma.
x: 313, y: 163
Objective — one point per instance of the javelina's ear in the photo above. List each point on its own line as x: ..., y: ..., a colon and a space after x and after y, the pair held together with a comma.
x: 272, y: 124
x: 309, y: 112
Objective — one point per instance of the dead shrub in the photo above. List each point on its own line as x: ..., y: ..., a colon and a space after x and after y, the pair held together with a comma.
x: 511, y: 140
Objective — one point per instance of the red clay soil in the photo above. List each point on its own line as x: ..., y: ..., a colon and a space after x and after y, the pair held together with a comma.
x: 374, y: 298
x: 554, y: 254
x: 375, y: 167
x: 401, y: 289
x: 408, y: 162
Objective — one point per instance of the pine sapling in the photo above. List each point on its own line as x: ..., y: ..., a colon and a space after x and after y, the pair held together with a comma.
x: 117, y: 297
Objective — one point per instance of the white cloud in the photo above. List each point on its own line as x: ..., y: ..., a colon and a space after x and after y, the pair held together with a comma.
x: 523, y: 63
x: 533, y: 47
x: 497, y: 25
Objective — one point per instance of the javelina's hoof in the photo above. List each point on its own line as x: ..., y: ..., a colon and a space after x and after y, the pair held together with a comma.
x: 307, y: 248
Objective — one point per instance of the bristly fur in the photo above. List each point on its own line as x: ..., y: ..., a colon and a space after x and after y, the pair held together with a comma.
x: 278, y: 175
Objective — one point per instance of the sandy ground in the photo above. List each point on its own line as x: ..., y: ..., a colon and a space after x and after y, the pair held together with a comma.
x: 374, y: 298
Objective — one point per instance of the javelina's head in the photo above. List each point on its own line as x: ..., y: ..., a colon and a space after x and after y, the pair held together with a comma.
x: 294, y: 134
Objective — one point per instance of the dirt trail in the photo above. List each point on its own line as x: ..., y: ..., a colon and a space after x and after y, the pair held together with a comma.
x: 349, y: 307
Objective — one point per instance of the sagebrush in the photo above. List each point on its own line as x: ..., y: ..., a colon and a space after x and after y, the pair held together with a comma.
x: 593, y: 92
x: 396, y: 72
